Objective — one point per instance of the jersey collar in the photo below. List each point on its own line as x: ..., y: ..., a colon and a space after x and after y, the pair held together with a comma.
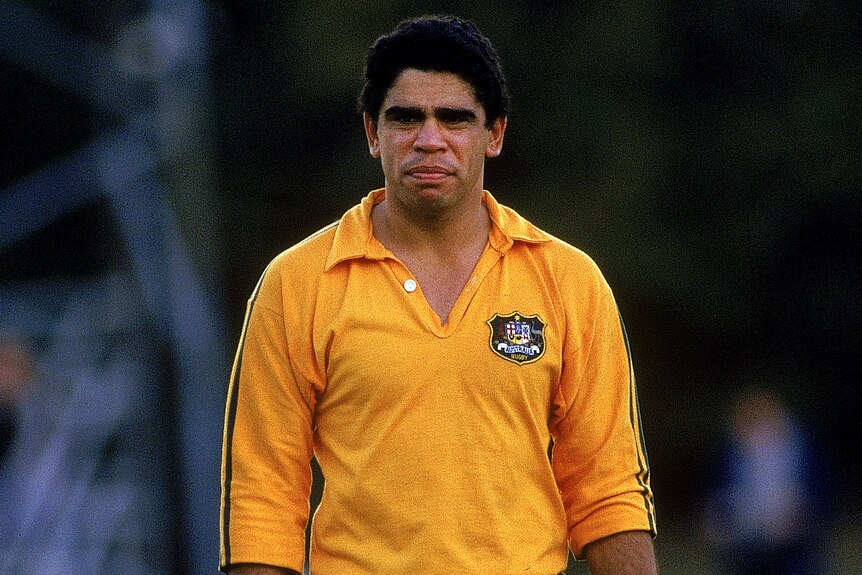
x: 354, y: 237
x: 508, y: 226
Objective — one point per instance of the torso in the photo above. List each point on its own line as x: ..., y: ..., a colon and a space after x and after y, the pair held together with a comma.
x: 423, y: 432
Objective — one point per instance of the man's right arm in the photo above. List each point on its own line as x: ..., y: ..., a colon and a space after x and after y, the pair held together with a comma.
x: 266, y: 476
x: 248, y: 569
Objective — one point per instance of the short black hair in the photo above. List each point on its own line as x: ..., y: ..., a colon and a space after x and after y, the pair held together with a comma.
x: 440, y: 44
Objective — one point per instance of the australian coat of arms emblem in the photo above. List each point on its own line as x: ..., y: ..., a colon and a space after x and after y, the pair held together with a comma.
x: 517, y: 337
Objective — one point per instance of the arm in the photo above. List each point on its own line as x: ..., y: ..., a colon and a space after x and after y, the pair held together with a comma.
x: 628, y: 553
x: 249, y: 569
x: 599, y: 458
x: 266, y: 476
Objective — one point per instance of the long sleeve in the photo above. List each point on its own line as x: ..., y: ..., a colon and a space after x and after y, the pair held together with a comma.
x: 599, y: 457
x: 266, y: 478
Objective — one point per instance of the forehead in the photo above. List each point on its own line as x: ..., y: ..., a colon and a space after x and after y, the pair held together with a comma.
x: 430, y: 89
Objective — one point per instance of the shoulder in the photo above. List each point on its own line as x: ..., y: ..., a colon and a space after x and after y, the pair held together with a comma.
x: 569, y: 264
x: 558, y: 256
x: 296, y: 269
x: 308, y: 255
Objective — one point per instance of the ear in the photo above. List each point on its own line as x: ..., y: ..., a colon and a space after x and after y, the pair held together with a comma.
x: 495, y: 141
x: 371, y: 135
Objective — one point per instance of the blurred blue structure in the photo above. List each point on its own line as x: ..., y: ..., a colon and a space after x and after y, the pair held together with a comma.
x: 154, y: 80
x: 769, y: 508
x: 86, y: 481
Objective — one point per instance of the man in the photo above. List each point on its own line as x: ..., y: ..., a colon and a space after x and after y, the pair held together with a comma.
x: 428, y: 349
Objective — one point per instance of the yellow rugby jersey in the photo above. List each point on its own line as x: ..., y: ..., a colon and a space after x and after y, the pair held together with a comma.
x: 433, y: 438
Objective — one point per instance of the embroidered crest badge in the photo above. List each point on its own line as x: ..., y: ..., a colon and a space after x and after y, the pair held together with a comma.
x: 517, y: 337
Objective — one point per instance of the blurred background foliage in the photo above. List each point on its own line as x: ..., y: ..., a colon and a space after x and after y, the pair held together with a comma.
x: 706, y: 155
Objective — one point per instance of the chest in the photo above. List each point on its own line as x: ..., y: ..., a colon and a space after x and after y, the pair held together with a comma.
x: 441, y: 286
x: 389, y: 361
x: 440, y: 282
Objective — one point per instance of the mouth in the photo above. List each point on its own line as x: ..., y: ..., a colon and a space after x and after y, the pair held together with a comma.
x: 429, y: 173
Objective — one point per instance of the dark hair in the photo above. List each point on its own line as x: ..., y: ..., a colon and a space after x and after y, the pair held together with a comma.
x: 440, y: 44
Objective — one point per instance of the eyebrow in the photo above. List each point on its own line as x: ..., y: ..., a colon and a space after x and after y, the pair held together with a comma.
x: 442, y: 113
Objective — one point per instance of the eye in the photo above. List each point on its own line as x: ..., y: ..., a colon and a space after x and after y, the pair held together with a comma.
x: 404, y: 117
x: 407, y: 119
x: 456, y: 117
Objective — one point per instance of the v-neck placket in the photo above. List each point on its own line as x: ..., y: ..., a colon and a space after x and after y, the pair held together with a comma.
x: 355, y: 238
x: 412, y: 290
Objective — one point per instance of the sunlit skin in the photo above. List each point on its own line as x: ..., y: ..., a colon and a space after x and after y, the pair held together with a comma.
x: 432, y: 142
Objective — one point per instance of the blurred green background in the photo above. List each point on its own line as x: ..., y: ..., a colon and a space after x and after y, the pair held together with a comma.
x: 706, y: 155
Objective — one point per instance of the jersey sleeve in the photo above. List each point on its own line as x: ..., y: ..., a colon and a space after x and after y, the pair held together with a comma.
x: 599, y: 458
x: 266, y: 476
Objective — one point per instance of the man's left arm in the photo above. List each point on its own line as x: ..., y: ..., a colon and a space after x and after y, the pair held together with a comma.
x: 599, y: 457
x: 627, y: 553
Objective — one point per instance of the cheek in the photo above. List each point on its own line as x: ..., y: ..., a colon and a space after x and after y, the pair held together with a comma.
x: 395, y: 145
x: 473, y: 146
x: 478, y: 153
x: 391, y: 157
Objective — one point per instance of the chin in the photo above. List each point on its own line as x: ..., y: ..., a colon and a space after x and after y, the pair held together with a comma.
x: 430, y: 201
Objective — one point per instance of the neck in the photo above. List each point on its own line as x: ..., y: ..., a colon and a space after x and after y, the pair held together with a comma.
x: 444, y: 235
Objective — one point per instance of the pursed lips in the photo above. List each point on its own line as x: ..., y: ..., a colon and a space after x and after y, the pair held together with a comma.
x: 425, y: 172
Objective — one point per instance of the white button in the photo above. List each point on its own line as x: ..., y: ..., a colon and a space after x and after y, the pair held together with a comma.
x: 410, y: 286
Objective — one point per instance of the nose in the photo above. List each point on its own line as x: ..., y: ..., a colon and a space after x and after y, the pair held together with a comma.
x: 429, y: 137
